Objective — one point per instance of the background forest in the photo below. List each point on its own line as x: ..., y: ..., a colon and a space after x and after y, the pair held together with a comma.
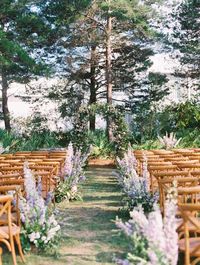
x: 100, y: 55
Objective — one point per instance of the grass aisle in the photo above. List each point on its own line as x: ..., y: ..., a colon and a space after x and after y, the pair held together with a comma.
x: 89, y: 235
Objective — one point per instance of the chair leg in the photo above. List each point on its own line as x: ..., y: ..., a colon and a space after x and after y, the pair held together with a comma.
x: 1, y: 251
x: 17, y: 239
x: 13, y: 251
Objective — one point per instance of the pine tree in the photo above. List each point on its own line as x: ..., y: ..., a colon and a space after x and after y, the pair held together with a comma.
x: 186, y: 39
x: 106, y: 33
x: 20, y: 27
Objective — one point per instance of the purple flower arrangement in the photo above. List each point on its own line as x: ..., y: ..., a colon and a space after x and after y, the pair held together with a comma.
x: 39, y: 225
x: 73, y: 174
x: 135, y: 188
x: 154, y: 241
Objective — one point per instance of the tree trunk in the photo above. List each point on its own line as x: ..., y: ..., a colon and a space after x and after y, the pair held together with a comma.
x: 93, y: 97
x: 6, y: 113
x: 109, y: 73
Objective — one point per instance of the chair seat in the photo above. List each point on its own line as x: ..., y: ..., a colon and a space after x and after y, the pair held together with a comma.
x: 194, y: 242
x: 191, y: 227
x: 4, y: 232
x: 4, y: 218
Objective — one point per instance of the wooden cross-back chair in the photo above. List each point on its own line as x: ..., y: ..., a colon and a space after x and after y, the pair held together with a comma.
x: 41, y: 157
x: 11, y: 170
x: 154, y: 169
x: 190, y: 167
x: 169, y: 156
x: 188, y: 153
x: 194, y: 157
x: 176, y: 159
x: 61, y: 161
x: 163, y: 152
x: 9, y: 161
x: 189, y: 194
x: 186, y: 162
x: 48, y: 183
x: 15, y: 191
x: 195, y: 154
x: 167, y: 183
x: 171, y: 174
x: 190, y: 243
x: 54, y: 164
x: 195, y: 173
x: 158, y: 163
x: 10, y: 232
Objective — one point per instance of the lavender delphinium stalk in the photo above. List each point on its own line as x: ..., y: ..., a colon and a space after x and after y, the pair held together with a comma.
x: 154, y: 241
x: 39, y: 225
x: 73, y: 174
x: 136, y: 188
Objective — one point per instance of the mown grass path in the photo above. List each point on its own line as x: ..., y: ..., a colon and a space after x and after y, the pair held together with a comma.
x: 89, y: 234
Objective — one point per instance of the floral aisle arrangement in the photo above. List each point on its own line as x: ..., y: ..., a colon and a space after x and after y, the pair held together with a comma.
x: 73, y: 175
x: 38, y: 221
x: 135, y: 187
x: 169, y: 141
x: 154, y: 241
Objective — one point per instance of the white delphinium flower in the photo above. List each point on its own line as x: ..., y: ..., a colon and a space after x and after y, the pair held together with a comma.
x: 154, y: 229
x: 69, y: 161
x: 171, y: 236
x: 169, y: 141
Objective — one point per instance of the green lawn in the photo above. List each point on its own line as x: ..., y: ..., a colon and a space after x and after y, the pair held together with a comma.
x: 89, y: 234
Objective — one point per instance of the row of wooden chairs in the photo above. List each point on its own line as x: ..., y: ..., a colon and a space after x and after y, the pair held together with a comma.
x: 180, y: 166
x: 45, y: 165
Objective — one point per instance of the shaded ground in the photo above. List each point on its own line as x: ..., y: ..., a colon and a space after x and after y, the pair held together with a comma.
x: 89, y: 234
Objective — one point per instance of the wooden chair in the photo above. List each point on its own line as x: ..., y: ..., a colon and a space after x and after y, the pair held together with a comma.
x: 190, y: 167
x: 16, y: 193
x: 171, y: 174
x: 176, y: 159
x: 36, y: 157
x: 154, y: 169
x: 11, y: 170
x: 48, y: 183
x: 170, y: 156
x: 55, y: 165
x: 190, y: 244
x: 186, y: 162
x: 166, y: 184
x: 163, y: 152
x: 195, y: 173
x: 10, y: 232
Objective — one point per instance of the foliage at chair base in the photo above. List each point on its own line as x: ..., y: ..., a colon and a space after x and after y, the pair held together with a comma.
x: 65, y: 191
